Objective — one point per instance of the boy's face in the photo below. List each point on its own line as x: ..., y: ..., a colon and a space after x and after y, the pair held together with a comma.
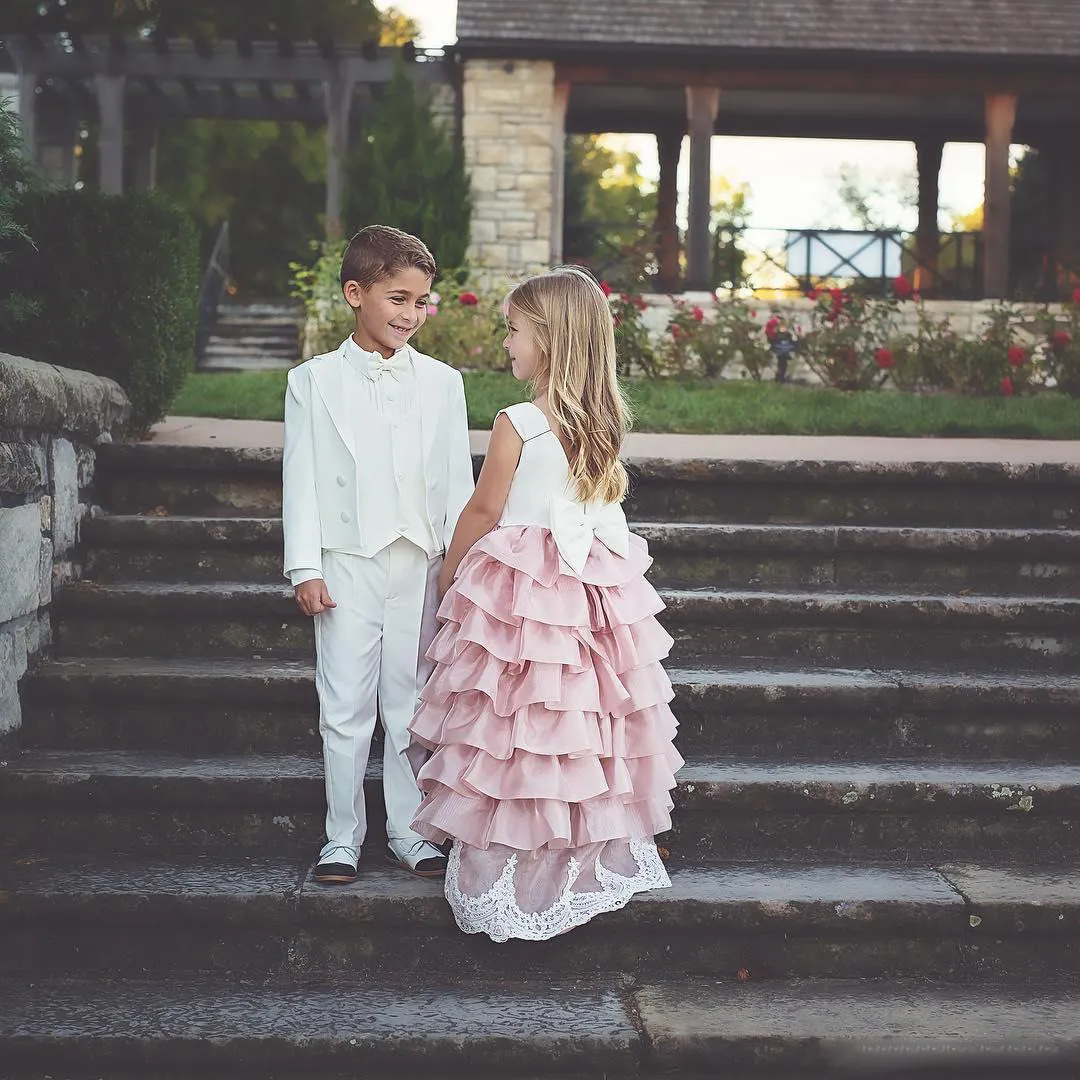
x: 390, y: 311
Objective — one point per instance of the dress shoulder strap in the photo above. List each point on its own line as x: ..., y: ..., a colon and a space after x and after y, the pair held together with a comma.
x: 528, y: 420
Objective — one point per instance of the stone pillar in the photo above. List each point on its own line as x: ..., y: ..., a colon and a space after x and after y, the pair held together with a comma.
x: 558, y: 170
x: 702, y: 105
x: 1000, y: 117
x: 668, y: 152
x: 928, y: 240
x: 145, y: 152
x: 339, y: 93
x: 508, y: 132
x: 110, y: 99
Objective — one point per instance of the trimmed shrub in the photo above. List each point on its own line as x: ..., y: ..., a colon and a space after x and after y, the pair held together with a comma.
x: 116, y: 279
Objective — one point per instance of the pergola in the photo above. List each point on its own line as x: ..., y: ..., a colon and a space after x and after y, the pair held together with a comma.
x: 134, y: 85
x: 923, y: 71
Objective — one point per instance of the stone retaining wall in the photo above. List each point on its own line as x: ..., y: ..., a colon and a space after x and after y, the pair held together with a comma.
x: 51, y: 419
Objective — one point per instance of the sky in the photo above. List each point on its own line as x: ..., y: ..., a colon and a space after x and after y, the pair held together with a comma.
x: 780, y: 197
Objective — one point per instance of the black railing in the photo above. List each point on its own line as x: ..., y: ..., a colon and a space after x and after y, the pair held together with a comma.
x: 215, y: 280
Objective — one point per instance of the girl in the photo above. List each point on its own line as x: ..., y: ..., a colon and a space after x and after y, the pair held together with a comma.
x: 547, y: 710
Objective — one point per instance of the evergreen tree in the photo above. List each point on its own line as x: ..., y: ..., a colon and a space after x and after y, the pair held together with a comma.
x: 17, y: 177
x: 406, y: 170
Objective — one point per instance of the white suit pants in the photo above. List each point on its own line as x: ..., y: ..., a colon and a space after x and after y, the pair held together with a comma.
x: 370, y: 659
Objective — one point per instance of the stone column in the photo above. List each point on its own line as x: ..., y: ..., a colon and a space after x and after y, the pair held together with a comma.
x: 928, y: 152
x: 1000, y: 117
x: 110, y: 99
x: 145, y: 152
x: 339, y: 93
x: 668, y: 152
x: 702, y: 105
x: 508, y: 131
x: 558, y: 170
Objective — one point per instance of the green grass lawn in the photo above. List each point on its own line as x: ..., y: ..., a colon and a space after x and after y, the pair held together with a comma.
x: 738, y: 408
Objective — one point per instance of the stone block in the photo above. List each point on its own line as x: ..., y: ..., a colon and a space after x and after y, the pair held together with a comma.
x: 539, y: 158
x: 519, y: 230
x: 481, y: 124
x: 530, y: 181
x: 484, y: 178
x: 86, y: 460
x: 484, y: 232
x: 45, y: 572
x: 64, y: 478
x: 535, y: 253
x: 23, y: 468
x: 20, y: 546
x: 10, y: 711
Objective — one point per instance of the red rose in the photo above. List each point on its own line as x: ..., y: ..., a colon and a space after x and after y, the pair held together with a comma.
x: 884, y: 359
x: 469, y: 299
x: 699, y: 315
x: 813, y: 294
x: 676, y: 332
x: 772, y: 328
x: 606, y: 287
x: 624, y: 297
x: 1007, y: 386
x: 1017, y: 356
x: 1061, y: 339
x: 901, y: 287
x: 639, y: 303
x: 753, y: 314
x: 1076, y: 296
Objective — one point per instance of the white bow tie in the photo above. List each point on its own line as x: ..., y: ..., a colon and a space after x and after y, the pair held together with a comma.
x: 394, y: 367
x: 574, y: 525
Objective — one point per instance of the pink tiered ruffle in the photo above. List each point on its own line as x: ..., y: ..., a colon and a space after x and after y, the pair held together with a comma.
x: 550, y: 734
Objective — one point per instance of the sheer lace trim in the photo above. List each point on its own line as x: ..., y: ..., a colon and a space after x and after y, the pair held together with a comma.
x: 498, y: 914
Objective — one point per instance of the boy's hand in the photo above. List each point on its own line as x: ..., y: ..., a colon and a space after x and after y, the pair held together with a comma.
x: 312, y: 597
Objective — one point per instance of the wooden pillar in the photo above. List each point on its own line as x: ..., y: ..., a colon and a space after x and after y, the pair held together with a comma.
x: 668, y: 151
x: 28, y: 113
x: 339, y: 93
x: 145, y: 152
x: 1000, y: 117
x: 558, y: 170
x: 928, y: 151
x: 702, y: 105
x: 110, y: 100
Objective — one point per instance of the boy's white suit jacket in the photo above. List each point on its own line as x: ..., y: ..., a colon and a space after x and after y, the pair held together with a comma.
x: 324, y: 456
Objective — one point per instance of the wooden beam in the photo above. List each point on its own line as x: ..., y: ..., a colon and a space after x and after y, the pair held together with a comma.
x: 339, y: 92
x: 668, y: 151
x: 702, y: 105
x: 110, y: 98
x: 928, y: 151
x: 997, y: 202
x: 558, y: 170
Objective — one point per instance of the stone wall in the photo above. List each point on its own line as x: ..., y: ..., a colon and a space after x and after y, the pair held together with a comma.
x: 51, y: 418
x: 509, y: 129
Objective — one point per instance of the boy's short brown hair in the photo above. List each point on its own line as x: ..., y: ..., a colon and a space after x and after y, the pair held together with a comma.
x: 380, y: 251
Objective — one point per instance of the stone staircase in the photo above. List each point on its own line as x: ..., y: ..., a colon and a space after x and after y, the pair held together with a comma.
x: 256, y: 336
x: 874, y: 855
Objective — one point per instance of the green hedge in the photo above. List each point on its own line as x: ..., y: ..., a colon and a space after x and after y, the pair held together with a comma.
x: 117, y: 280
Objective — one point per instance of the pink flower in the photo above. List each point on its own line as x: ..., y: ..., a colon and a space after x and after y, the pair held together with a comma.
x: 1007, y: 387
x: 1061, y: 339
x: 884, y: 359
x: 639, y: 303
x: 434, y: 297
x: 902, y: 288
x: 1076, y: 296
x: 477, y: 350
x: 699, y: 315
x: 469, y: 299
x: 433, y: 309
x: 1017, y: 356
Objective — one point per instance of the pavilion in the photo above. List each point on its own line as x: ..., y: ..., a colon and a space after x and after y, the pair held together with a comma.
x: 922, y: 71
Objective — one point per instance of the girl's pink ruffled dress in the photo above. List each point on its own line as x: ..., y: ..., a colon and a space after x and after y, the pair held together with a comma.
x: 546, y: 716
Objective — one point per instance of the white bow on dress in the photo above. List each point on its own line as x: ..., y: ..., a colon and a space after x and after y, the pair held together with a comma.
x: 575, y: 524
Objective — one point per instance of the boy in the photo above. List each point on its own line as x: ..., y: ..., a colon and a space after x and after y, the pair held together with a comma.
x: 376, y: 471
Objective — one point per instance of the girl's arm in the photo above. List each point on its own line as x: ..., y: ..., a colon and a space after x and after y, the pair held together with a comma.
x: 483, y: 510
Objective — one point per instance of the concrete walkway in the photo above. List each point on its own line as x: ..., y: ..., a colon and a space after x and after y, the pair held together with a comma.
x: 195, y: 431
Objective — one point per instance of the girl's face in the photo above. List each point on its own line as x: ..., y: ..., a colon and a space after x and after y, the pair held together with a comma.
x: 521, y: 346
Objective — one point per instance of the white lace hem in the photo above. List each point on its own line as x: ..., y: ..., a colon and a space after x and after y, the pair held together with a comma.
x: 498, y: 914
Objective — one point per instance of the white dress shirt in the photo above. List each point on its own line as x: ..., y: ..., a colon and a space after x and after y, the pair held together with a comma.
x: 391, y: 500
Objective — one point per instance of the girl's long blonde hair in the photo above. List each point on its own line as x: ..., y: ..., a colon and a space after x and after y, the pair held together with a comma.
x: 572, y: 325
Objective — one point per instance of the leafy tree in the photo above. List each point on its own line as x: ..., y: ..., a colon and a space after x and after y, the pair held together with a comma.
x: 397, y: 28
x: 406, y: 170
x: 17, y: 177
x: 730, y: 217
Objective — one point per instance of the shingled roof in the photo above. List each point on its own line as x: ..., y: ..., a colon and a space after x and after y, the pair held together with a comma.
x: 972, y: 28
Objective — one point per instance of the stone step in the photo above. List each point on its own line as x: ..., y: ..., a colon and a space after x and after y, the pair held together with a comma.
x: 709, y: 626
x: 265, y: 337
x: 214, y: 705
x: 726, y: 808
x: 790, y: 1029
x: 248, y: 361
x: 383, y: 1030
x: 1046, y: 561
x: 223, y: 481
x: 108, y: 915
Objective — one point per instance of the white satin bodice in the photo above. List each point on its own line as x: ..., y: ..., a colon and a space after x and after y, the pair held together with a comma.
x: 542, y: 494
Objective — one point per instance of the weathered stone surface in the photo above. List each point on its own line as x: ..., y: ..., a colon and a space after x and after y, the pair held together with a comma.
x: 20, y: 549
x: 63, y: 472
x: 10, y: 708
x: 44, y: 397
x: 23, y: 467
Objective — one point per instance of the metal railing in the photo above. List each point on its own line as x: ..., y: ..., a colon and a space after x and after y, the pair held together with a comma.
x: 215, y: 280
